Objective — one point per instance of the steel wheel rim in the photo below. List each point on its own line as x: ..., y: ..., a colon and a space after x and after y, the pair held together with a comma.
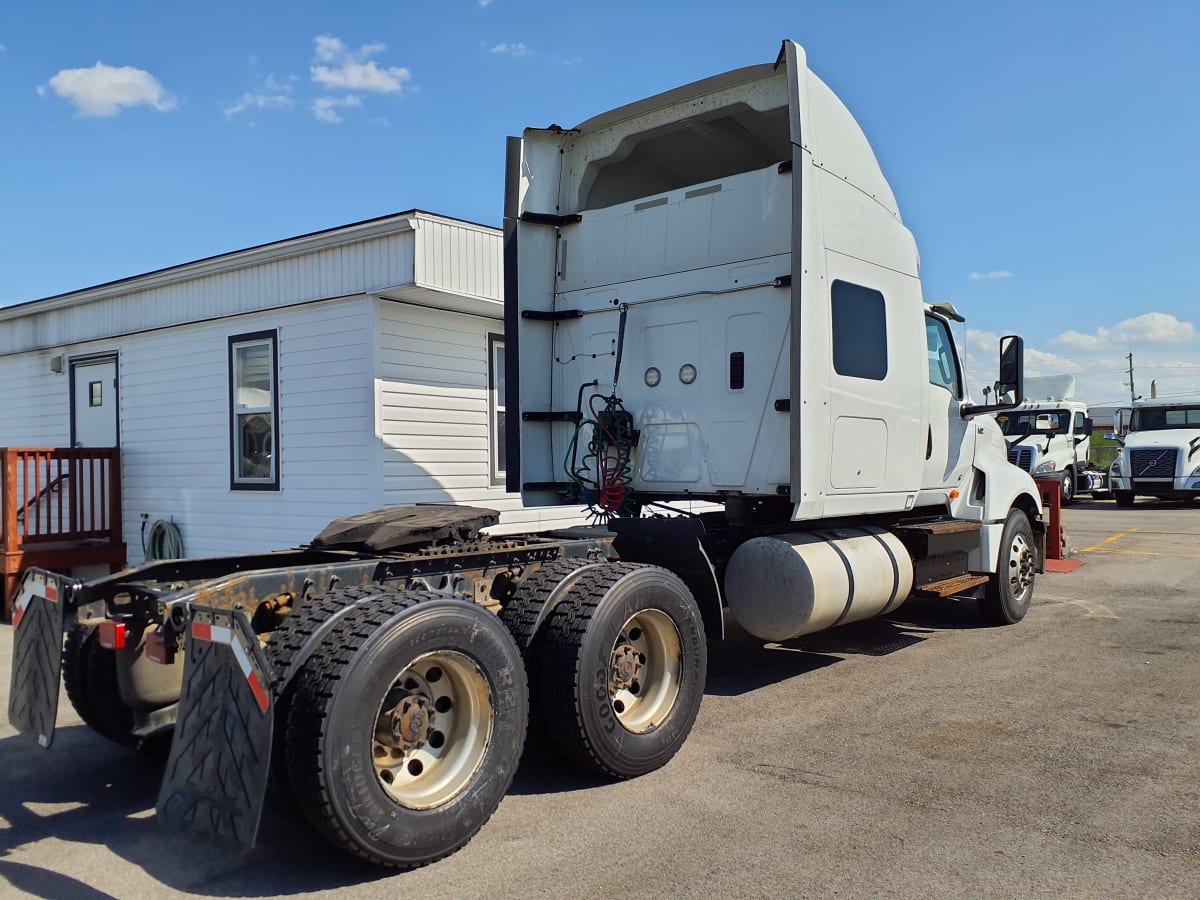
x: 1020, y: 567
x: 432, y: 730
x: 644, y: 673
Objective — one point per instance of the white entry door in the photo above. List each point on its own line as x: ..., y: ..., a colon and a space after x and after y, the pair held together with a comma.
x: 94, y: 405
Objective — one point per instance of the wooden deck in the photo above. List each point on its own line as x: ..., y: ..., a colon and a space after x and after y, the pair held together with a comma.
x: 59, y: 508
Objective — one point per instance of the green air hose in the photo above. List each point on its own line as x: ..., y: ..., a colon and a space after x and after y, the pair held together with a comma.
x: 163, y: 542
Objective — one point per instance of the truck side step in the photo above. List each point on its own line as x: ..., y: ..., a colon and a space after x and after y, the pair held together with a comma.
x: 948, y: 587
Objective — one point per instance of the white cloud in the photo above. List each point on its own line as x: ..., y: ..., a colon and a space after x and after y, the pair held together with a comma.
x: 517, y: 49
x: 325, y: 108
x: 1148, y: 328
x: 347, y: 70
x: 485, y: 3
x: 272, y: 95
x: 103, y: 90
x: 257, y: 100
x: 3, y: 48
x: 989, y: 276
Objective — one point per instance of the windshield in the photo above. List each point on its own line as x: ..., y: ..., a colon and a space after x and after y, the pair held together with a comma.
x: 1014, y: 423
x: 1162, y: 419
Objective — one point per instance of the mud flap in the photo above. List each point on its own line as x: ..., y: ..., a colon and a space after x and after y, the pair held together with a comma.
x: 37, y: 654
x: 216, y: 779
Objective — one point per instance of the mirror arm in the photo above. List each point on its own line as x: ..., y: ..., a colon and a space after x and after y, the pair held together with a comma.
x: 971, y: 410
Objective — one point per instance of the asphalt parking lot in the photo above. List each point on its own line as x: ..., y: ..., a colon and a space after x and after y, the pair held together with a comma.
x: 921, y: 755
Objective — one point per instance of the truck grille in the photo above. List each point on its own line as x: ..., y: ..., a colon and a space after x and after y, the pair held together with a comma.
x: 1022, y: 457
x: 1152, y: 463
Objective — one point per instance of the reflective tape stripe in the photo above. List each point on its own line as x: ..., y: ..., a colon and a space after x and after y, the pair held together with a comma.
x: 216, y: 633
x: 219, y: 634
x: 260, y: 693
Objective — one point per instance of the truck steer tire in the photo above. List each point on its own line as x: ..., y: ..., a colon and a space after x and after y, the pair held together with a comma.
x: 406, y: 727
x: 1068, y: 486
x: 1123, y: 498
x: 90, y: 677
x: 1008, y: 593
x: 623, y: 669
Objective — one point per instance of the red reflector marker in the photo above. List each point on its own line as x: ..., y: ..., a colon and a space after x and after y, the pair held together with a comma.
x: 158, y: 650
x: 112, y: 635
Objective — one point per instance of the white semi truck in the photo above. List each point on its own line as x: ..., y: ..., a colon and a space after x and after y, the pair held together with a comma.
x: 1160, y: 451
x: 710, y: 295
x: 1049, y: 435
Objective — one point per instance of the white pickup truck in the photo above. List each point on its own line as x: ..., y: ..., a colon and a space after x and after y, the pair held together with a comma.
x: 1160, y: 453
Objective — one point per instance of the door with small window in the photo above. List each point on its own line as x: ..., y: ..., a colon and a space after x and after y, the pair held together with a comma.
x: 94, y: 402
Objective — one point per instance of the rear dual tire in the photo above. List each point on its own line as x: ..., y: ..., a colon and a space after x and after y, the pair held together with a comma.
x: 406, y: 726
x: 622, y: 669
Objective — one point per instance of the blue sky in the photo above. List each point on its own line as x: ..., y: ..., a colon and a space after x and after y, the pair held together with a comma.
x: 1044, y: 154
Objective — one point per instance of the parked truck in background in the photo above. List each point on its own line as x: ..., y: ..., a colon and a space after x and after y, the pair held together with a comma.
x: 1049, y: 435
x: 710, y: 295
x: 1160, y: 451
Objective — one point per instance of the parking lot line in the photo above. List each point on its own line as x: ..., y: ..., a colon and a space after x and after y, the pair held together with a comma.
x: 1103, y: 545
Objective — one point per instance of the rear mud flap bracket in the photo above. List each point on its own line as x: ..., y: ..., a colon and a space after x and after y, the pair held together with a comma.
x: 216, y: 779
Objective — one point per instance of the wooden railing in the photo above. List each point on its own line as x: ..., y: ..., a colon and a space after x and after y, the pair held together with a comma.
x: 59, y: 495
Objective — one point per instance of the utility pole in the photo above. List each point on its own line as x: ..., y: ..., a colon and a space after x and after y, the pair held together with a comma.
x: 1131, y: 397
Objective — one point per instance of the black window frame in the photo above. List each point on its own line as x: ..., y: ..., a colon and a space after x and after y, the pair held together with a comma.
x: 237, y: 483
x: 496, y: 407
x: 845, y: 363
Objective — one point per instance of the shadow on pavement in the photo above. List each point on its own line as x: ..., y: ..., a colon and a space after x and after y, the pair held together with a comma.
x: 89, y: 791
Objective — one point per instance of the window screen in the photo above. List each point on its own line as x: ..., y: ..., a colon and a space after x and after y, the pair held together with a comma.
x: 859, y: 331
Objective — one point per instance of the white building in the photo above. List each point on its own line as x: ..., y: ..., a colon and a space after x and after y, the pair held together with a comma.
x: 257, y: 395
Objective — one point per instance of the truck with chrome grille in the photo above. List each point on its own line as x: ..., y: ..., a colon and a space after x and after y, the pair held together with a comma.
x: 1160, y: 454
x: 709, y: 296
x: 1049, y: 436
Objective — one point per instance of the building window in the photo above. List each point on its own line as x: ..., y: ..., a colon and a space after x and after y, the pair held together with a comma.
x: 859, y: 331
x: 496, y: 406
x: 254, y: 411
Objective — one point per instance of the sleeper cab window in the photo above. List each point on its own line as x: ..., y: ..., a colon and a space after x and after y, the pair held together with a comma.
x: 943, y: 369
x: 859, y: 331
x: 496, y: 406
x: 254, y: 411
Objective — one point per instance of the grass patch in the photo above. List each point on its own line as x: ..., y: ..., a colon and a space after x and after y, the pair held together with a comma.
x: 1102, y: 451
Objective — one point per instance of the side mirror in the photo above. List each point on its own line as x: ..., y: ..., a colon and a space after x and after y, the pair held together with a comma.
x: 1011, y: 385
x: 1088, y: 427
x: 1009, y: 390
x: 1045, y: 422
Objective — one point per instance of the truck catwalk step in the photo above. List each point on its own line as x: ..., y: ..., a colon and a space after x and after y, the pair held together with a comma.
x: 948, y: 587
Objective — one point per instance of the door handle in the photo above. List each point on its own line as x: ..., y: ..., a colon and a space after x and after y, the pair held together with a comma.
x: 929, y: 444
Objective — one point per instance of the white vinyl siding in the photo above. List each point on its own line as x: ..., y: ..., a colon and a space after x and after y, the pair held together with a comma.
x: 175, y: 430
x: 37, y: 402
x: 435, y: 440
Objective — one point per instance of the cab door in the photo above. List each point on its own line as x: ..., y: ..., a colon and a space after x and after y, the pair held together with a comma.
x: 949, y: 438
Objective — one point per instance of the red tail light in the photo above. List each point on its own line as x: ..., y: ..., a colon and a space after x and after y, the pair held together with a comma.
x: 112, y: 635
